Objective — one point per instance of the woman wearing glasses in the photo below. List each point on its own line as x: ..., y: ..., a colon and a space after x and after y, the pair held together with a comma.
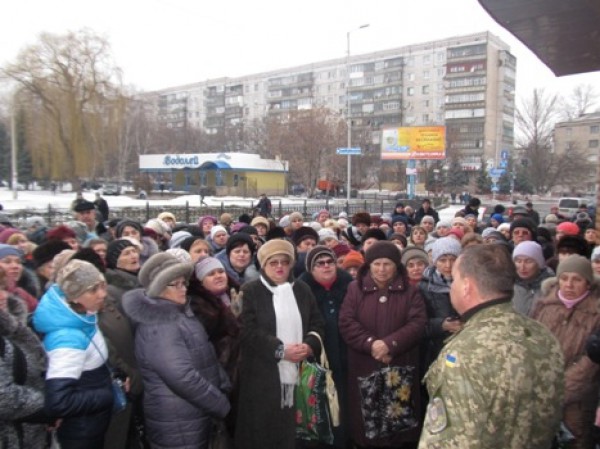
x: 329, y: 285
x: 184, y: 385
x: 277, y: 316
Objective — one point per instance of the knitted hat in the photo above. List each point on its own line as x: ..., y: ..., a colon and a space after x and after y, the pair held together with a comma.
x: 445, y: 246
x: 158, y: 226
x: 61, y: 232
x: 161, y: 269
x: 498, y: 217
x: 60, y: 260
x: 189, y: 241
x: 401, y: 237
x: 576, y: 264
x: 201, y: 220
x: 494, y: 236
x: 177, y: 238
x: 487, y: 231
x: 114, y: 250
x: 414, y: 252
x: 240, y: 239
x: 77, y: 277
x: 528, y: 224
x: 574, y: 244
x: 215, y: 229
x: 551, y: 218
x: 296, y: 216
x: 374, y: 233
x: 9, y: 250
x: 353, y: 259
x: 596, y: 253
x: 315, y: 253
x: 83, y: 205
x: 274, y: 248
x: 285, y: 221
x: 383, y: 250
x: 397, y: 218
x: 303, y: 233
x: 47, y: 250
x: 324, y: 212
x: 361, y: 217
x: 124, y: 223
x: 7, y: 233
x: 530, y: 249
x: 225, y: 219
x: 205, y: 266
x: 459, y: 220
x: 427, y: 219
x: 503, y: 227
x: 166, y: 215
x: 181, y: 254
x: 327, y: 233
x: 237, y: 227
x: 568, y: 228
x: 341, y: 249
x: 260, y: 221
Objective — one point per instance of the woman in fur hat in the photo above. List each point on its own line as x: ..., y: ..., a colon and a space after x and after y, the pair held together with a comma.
x: 185, y: 388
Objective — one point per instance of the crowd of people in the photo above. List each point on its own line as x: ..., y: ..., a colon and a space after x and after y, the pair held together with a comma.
x: 203, y: 326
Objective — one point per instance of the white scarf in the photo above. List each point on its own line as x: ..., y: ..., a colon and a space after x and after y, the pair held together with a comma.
x: 289, y: 331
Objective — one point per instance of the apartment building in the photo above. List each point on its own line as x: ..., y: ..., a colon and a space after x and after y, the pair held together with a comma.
x: 582, y: 133
x: 466, y: 83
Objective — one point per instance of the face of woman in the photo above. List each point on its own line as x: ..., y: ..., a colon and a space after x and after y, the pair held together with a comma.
x: 415, y: 268
x: 12, y: 267
x: 572, y: 285
x: 591, y: 236
x: 129, y: 259
x: 93, y: 299
x: 324, y: 269
x: 382, y: 270
x: 240, y: 257
x: 362, y: 227
x: 596, y: 266
x: 444, y: 265
x: 207, y: 226
x: 100, y: 249
x: 198, y: 250
x: 353, y: 271
x: 278, y: 268
x: 175, y: 291
x: 418, y: 237
x: 130, y: 231
x: 527, y: 268
x: 22, y: 243
x: 306, y: 245
x: 399, y: 228
x: 296, y: 223
x: 261, y: 229
x: 215, y: 281
x: 220, y: 238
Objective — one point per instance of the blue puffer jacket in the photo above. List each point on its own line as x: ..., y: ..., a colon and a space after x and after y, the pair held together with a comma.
x: 184, y: 385
x: 78, y: 384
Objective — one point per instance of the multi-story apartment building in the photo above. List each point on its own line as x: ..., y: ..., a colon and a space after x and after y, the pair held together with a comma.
x: 466, y: 83
x: 583, y: 134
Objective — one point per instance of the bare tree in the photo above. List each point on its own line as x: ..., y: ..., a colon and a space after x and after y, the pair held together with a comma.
x: 583, y: 98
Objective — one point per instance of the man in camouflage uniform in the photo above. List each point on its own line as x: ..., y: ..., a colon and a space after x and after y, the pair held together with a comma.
x: 498, y: 383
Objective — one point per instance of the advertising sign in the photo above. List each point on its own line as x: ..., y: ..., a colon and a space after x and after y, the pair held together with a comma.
x: 417, y: 142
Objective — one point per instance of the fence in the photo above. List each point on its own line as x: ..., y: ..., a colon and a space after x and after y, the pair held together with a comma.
x: 189, y: 214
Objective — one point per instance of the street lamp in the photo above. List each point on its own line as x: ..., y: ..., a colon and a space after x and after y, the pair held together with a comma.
x: 348, y: 118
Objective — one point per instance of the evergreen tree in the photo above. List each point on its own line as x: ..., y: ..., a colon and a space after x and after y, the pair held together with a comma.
x: 457, y: 178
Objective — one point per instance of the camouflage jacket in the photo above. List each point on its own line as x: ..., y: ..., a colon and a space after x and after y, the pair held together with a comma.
x: 498, y: 383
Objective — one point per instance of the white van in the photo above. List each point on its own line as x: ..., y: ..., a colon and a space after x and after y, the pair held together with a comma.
x: 569, y: 206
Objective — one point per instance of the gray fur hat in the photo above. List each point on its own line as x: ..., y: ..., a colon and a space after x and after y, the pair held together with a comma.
x: 161, y: 269
x: 77, y: 277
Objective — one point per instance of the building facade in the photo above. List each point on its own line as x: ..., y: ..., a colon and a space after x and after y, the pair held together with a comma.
x: 583, y: 134
x: 466, y: 83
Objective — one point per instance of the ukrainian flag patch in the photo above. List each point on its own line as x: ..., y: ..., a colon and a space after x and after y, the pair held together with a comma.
x: 451, y: 360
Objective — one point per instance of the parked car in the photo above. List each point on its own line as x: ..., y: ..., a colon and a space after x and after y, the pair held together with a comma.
x: 111, y: 189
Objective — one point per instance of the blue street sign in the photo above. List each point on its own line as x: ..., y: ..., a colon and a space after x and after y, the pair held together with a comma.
x: 495, y: 188
x: 496, y: 172
x: 504, y: 154
x: 503, y: 163
x: 349, y: 151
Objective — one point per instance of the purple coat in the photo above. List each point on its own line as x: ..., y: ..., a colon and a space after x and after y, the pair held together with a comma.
x: 400, y: 323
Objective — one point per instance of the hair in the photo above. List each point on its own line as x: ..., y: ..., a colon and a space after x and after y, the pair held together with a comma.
x: 95, y: 241
x: 471, y: 238
x: 491, y: 267
x: 418, y: 228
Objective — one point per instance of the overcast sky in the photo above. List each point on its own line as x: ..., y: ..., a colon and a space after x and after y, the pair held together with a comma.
x: 164, y: 43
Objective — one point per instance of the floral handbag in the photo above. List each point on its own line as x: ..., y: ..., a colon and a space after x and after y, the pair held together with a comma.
x: 386, y: 401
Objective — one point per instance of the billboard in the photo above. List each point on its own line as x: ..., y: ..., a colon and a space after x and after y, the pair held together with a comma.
x: 415, y: 142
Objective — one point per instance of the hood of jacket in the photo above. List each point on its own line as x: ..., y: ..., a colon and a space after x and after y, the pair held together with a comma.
x: 54, y: 313
x: 144, y: 310
x: 536, y: 283
x: 434, y: 282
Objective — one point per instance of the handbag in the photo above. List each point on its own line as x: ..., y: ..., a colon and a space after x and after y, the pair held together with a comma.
x: 317, y: 407
x: 386, y: 403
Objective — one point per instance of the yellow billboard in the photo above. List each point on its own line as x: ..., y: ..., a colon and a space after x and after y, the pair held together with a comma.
x: 416, y: 142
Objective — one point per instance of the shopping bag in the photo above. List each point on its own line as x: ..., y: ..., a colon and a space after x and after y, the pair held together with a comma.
x: 386, y: 402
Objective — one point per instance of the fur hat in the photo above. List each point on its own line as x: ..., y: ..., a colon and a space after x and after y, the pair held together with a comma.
x: 260, y: 221
x: 341, y: 249
x: 167, y: 215
x: 398, y: 236
x: 77, y: 277
x: 83, y: 205
x: 60, y: 233
x: 383, y: 250
x: 275, y: 233
x: 160, y: 270
x: 157, y: 225
x: 353, y: 259
x: 46, y: 251
x: 568, y: 228
x: 9, y: 250
x: 530, y: 249
x: 296, y: 216
x: 201, y: 220
x: 114, y: 250
x: 303, y: 233
x: 576, y: 264
x: 374, y: 233
x: 225, y: 219
x: 205, y: 266
x: 525, y: 223
x: 248, y: 229
x: 574, y: 244
x: 551, y: 218
x: 124, y: 223
x: 240, y: 239
x: 181, y: 254
x: 274, y: 248
x: 414, y: 252
x: 361, y: 217
x: 327, y: 233
x: 445, y: 246
x: 315, y: 253
x: 427, y: 218
x: 177, y: 238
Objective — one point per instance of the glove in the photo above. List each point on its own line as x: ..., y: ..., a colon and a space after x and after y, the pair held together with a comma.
x: 593, y: 347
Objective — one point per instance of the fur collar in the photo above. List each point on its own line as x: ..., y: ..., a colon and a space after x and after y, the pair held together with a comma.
x: 13, y: 317
x: 551, y: 283
x: 144, y: 310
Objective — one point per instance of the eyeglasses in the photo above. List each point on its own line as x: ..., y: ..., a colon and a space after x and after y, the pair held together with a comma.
x: 180, y: 284
x: 279, y: 262
x: 324, y: 263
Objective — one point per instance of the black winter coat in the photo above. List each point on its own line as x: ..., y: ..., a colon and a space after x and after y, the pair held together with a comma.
x: 183, y: 382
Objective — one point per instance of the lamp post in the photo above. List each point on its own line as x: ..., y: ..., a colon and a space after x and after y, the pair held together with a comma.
x: 348, y: 118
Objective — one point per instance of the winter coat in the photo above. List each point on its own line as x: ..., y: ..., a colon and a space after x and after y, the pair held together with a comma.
x: 150, y: 248
x: 527, y: 292
x: 22, y: 364
x: 78, y: 382
x: 184, y: 385
x: 262, y: 423
x: 421, y: 212
x: 249, y: 274
x: 330, y: 302
x: 436, y: 293
x: 400, y: 322
x: 572, y: 327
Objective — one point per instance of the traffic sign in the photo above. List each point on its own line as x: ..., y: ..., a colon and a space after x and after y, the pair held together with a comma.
x: 496, y: 172
x: 495, y: 188
x: 503, y: 163
x: 504, y: 154
x: 349, y: 151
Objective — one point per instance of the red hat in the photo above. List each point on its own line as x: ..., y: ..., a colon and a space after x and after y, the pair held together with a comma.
x: 568, y: 228
x: 353, y: 259
x: 458, y: 232
x: 60, y: 233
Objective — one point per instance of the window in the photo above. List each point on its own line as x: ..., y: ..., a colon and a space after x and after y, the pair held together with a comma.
x: 593, y: 143
x: 410, y: 76
x: 425, y: 74
x: 594, y: 129
x: 410, y: 91
x: 425, y: 118
x: 425, y: 90
x: 426, y: 59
